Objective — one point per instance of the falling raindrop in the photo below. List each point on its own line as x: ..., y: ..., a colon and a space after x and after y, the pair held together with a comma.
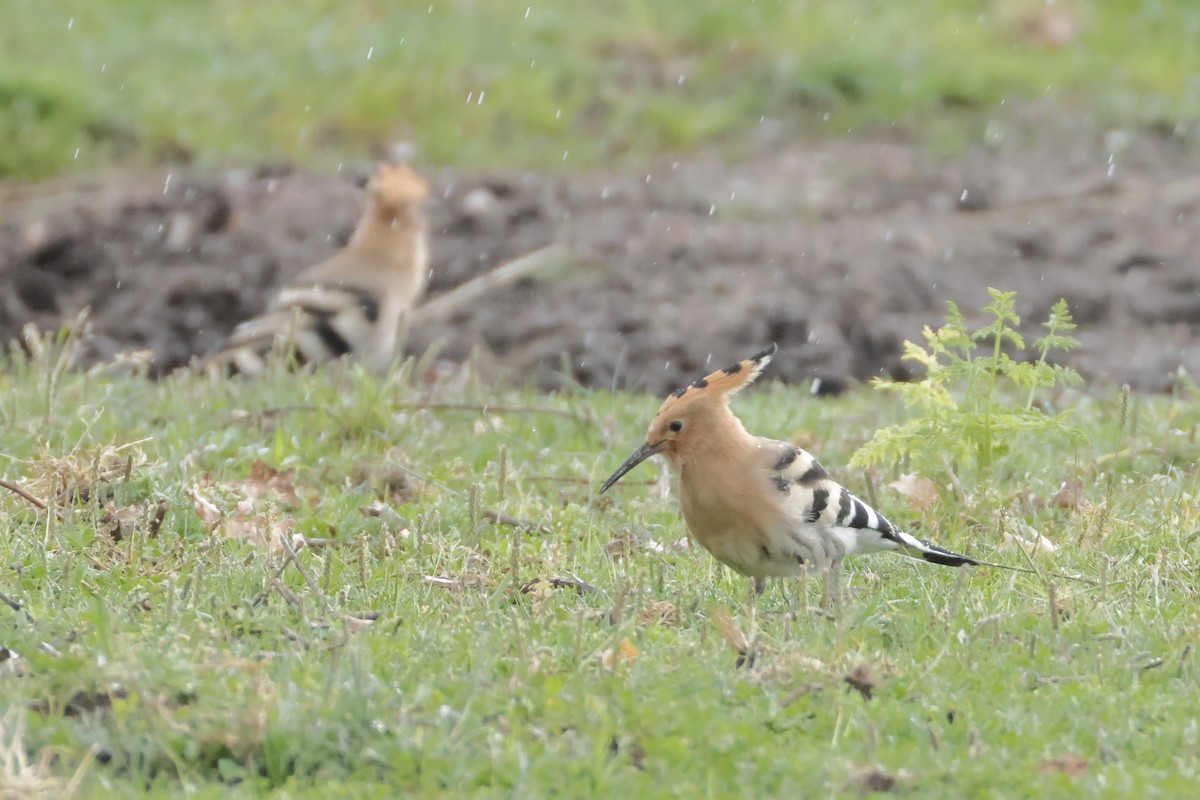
x: 370, y: 52
x: 480, y: 101
x: 469, y: 96
x: 70, y: 23
x: 565, y: 154
x: 76, y: 157
x: 712, y: 210
x: 527, y: 10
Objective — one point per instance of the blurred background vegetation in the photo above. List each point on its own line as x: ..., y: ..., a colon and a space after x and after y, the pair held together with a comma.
x: 529, y: 83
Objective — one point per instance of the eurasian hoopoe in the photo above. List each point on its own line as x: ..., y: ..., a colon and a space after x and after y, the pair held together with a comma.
x: 763, y: 507
x: 351, y: 303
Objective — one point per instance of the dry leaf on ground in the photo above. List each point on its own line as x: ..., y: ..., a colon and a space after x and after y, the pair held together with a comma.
x: 876, y: 780
x: 921, y: 493
x: 1068, y: 764
x: 730, y: 631
x: 621, y: 656
x: 255, y: 516
x: 541, y: 588
x: 1029, y: 540
x: 861, y: 680
x: 660, y: 612
x: 1069, y: 495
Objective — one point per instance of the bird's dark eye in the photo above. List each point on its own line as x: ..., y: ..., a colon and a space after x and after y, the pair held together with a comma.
x: 677, y: 425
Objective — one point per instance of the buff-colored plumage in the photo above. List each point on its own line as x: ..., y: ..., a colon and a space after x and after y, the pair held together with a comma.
x: 763, y: 507
x: 350, y: 304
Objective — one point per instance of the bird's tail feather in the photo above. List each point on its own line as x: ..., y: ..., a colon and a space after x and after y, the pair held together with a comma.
x: 928, y: 551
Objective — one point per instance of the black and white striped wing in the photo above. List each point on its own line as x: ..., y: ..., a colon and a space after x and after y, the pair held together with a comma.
x: 824, y: 503
x: 317, y: 323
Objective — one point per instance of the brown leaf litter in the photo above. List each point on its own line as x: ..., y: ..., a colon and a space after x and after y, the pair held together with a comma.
x: 256, y: 504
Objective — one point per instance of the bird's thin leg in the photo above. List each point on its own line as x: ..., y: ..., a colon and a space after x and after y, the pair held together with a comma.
x: 831, y: 600
x: 804, y: 589
x: 789, y: 595
x: 757, y: 585
x: 835, y: 583
x: 756, y: 588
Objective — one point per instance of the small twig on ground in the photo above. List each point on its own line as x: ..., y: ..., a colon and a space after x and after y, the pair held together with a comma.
x: 485, y: 408
x: 287, y: 594
x: 269, y: 585
x: 500, y: 518
x: 572, y: 582
x: 310, y: 541
x: 262, y: 415
x: 33, y: 501
x: 380, y: 510
x: 1185, y: 191
x: 312, y: 585
x: 16, y: 606
x: 421, y: 478
x: 466, y: 293
x: 583, y: 480
x: 160, y: 513
x: 799, y: 692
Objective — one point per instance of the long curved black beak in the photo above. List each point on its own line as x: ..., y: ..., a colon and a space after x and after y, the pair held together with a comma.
x: 639, y: 455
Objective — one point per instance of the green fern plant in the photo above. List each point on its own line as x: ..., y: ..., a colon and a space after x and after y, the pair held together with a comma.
x: 975, y: 401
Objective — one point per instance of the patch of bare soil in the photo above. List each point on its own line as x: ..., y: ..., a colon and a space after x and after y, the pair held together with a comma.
x: 837, y: 250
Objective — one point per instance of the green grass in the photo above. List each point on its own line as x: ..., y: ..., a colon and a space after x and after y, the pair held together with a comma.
x: 158, y: 653
x: 515, y: 83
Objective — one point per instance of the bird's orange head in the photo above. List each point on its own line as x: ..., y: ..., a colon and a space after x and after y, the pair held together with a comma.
x: 395, y: 186
x: 688, y: 415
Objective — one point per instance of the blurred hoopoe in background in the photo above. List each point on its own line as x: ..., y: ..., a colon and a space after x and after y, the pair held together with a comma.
x: 763, y: 507
x: 351, y: 303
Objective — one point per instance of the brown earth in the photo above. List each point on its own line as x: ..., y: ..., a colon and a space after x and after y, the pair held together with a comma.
x: 837, y: 250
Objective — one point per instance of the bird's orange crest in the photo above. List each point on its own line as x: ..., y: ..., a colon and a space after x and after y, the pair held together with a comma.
x: 722, y: 384
x: 398, y: 183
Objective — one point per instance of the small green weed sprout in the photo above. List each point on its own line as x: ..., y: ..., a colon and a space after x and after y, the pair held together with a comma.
x: 964, y: 411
